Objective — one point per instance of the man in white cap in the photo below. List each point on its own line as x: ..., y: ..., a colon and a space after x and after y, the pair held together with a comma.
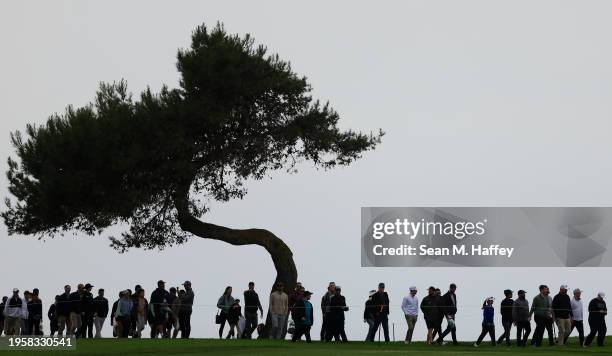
x: 14, y: 310
x: 577, y: 318
x: 562, y: 313
x: 410, y: 307
x: 597, y: 320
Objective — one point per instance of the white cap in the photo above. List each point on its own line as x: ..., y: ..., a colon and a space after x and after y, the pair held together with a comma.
x: 491, y: 299
x: 577, y: 290
x: 413, y: 288
x: 602, y: 295
x: 563, y: 286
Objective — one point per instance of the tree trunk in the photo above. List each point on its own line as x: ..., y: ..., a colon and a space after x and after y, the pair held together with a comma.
x: 281, y: 254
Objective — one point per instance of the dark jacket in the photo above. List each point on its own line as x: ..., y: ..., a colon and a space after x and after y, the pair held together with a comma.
x: 381, y: 303
x: 63, y: 305
x: 520, y: 310
x: 2, y: 311
x: 234, y: 314
x: 35, y: 309
x: 251, y: 302
x: 450, y: 305
x: 101, y: 306
x: 87, y: 301
x: 432, y: 308
x: 369, y: 310
x: 562, y: 306
x: 337, y: 307
x: 299, y: 311
x: 114, y: 311
x: 505, y: 310
x: 187, y: 301
x: 596, y: 307
x: 160, y: 299
x: 76, y: 302
x: 52, y: 313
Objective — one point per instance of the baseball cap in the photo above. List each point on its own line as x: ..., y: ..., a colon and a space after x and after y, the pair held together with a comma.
x: 187, y: 283
x: 412, y: 288
x: 490, y: 299
x: 521, y: 291
x: 160, y: 282
x: 15, y: 290
x: 88, y: 286
x: 381, y: 285
x: 577, y: 290
x: 563, y: 286
x: 307, y: 293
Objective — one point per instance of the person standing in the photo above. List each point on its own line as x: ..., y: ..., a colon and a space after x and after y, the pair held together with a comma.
x: 597, y: 320
x: 296, y: 295
x: 279, y: 309
x: 577, y: 317
x: 25, y: 325
x: 410, y: 307
x: 159, y: 301
x: 35, y: 313
x: 368, y: 313
x: 14, y: 310
x: 139, y: 312
x: 505, y: 309
x: 224, y: 303
x: 76, y: 311
x: 335, y: 317
x: 449, y: 302
x: 2, y: 318
x: 488, y: 323
x: 331, y: 289
x: 562, y: 313
x: 63, y: 313
x: 522, y: 320
x: 52, y: 315
x: 100, y: 312
x: 541, y: 309
x: 303, y: 317
x: 88, y: 312
x: 123, y: 315
x: 251, y: 306
x: 186, y: 310
x: 173, y: 315
x: 380, y: 301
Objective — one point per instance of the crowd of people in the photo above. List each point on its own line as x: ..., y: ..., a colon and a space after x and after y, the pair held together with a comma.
x: 77, y: 313
x: 168, y: 312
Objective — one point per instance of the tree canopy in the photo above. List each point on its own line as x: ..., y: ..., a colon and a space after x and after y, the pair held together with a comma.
x: 153, y: 161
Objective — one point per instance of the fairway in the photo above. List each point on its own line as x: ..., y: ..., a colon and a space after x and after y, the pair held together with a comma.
x: 125, y: 347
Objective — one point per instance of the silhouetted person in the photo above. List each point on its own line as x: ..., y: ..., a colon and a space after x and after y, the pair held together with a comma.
x: 331, y: 289
x: 224, y: 304
x: 522, y: 320
x: 541, y: 309
x: 88, y: 308
x: 186, y: 310
x: 159, y: 299
x: 35, y: 313
x: 505, y: 309
x: 335, y: 322
x: 100, y: 312
x: 597, y: 320
x: 251, y: 306
x: 380, y: 301
x: 432, y: 313
x: 52, y: 316
x: 562, y: 313
x: 449, y: 302
x: 303, y: 317
x: 63, y: 313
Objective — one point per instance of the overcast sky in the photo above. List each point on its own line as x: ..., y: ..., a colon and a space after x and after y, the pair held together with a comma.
x: 485, y: 103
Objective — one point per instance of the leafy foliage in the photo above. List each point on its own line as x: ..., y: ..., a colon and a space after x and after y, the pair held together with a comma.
x: 238, y: 114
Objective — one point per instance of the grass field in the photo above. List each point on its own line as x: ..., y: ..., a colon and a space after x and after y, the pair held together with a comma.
x: 125, y: 347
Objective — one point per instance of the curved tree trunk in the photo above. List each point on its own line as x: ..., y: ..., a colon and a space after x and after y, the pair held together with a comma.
x: 281, y: 254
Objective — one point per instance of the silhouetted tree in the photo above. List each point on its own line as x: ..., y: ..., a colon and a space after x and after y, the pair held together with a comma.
x: 154, y: 162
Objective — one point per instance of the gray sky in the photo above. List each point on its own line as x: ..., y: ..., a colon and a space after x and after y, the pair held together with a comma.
x: 503, y: 103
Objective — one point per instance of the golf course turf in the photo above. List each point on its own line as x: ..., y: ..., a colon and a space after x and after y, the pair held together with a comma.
x: 125, y: 347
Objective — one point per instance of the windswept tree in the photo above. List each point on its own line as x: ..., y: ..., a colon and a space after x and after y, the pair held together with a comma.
x: 153, y: 163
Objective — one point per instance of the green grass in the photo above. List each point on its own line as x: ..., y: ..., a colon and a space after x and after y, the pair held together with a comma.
x: 125, y: 347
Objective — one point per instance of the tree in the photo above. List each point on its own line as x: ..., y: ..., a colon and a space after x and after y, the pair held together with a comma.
x: 153, y: 163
